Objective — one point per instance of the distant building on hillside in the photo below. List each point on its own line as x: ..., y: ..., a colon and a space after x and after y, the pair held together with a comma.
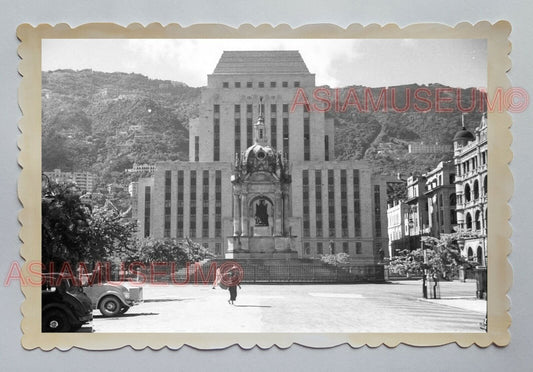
x: 85, y: 181
x: 423, y: 148
x: 139, y: 168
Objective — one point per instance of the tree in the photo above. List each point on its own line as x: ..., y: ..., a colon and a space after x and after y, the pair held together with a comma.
x: 169, y: 250
x: 65, y: 224
x: 72, y: 231
x: 441, y: 257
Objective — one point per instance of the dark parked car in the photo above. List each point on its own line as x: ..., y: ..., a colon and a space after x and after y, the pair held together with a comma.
x: 65, y: 308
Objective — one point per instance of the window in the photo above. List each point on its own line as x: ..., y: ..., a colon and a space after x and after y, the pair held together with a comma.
x: 307, y: 140
x: 478, y: 220
x: 468, y: 221
x: 377, y: 211
x: 179, y: 210
x: 305, y: 197
x: 168, y: 188
x: 225, y: 84
x: 249, y: 126
x: 345, y: 247
x: 285, y: 135
x: 261, y: 84
x: 453, y: 199
x: 476, y: 190
x: 218, y: 203
x: 452, y: 178
x: 326, y: 148
x: 196, y: 148
x: 218, y: 249
x: 307, y: 248
x: 237, y: 84
x: 147, y: 205
x: 318, y: 202
x: 453, y: 217
x: 358, y: 248
x: 216, y: 139
x: 296, y: 84
x: 319, y: 248
x: 356, y: 203
x: 285, y: 84
x: 272, y: 84
x: 249, y: 84
x: 273, y: 132
x: 331, y: 203
x: 468, y: 195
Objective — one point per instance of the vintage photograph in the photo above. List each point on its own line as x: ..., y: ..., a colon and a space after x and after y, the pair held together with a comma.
x: 265, y: 185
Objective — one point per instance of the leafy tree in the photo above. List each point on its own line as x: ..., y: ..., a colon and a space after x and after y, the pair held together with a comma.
x: 169, y: 250
x: 65, y: 224
x: 442, y: 257
x: 72, y: 231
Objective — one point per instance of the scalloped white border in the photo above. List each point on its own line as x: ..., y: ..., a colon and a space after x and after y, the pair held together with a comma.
x: 499, y: 140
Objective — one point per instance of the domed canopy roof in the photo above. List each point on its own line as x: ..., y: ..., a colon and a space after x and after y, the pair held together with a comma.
x: 464, y: 135
x: 256, y: 154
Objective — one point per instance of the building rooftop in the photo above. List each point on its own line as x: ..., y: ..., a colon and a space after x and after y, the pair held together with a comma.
x: 261, y: 61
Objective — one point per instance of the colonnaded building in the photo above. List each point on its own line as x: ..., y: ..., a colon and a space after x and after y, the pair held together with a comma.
x: 262, y: 180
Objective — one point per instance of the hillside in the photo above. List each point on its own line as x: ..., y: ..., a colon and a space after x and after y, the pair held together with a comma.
x: 104, y: 122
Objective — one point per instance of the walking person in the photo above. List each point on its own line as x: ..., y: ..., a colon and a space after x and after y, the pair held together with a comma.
x: 233, y: 282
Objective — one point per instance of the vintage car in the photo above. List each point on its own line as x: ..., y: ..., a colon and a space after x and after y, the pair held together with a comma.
x: 112, y: 299
x: 65, y: 307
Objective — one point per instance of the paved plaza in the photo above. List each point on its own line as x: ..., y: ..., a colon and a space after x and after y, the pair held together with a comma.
x: 392, y: 307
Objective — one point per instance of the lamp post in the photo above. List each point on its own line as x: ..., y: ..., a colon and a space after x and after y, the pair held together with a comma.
x: 425, y: 265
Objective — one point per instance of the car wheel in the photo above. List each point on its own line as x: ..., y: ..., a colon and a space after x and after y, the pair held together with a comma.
x: 124, y: 309
x: 109, y: 306
x: 55, y: 320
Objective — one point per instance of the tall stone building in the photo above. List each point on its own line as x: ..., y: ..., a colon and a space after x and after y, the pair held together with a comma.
x: 471, y: 163
x: 261, y: 180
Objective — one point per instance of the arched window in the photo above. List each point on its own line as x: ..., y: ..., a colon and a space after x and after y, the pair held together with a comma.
x: 479, y: 255
x: 453, y: 199
x: 470, y: 254
x: 468, y: 221
x: 468, y: 196
x: 476, y: 190
x: 453, y: 216
x: 485, y: 185
x: 478, y: 220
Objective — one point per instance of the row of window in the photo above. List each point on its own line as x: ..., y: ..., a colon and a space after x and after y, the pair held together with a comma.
x: 476, y: 223
x: 473, y: 193
x: 206, y: 204
x: 331, y: 203
x: 472, y: 163
x: 260, y: 84
x: 249, y: 132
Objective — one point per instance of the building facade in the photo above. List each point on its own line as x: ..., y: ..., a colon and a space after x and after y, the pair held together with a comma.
x: 261, y: 177
x: 471, y: 162
x: 85, y: 181
x: 441, y: 199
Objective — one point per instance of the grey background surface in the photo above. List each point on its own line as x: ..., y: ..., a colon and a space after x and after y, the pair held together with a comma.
x: 515, y: 357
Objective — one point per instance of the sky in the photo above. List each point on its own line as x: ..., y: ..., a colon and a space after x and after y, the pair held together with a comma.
x: 335, y: 62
